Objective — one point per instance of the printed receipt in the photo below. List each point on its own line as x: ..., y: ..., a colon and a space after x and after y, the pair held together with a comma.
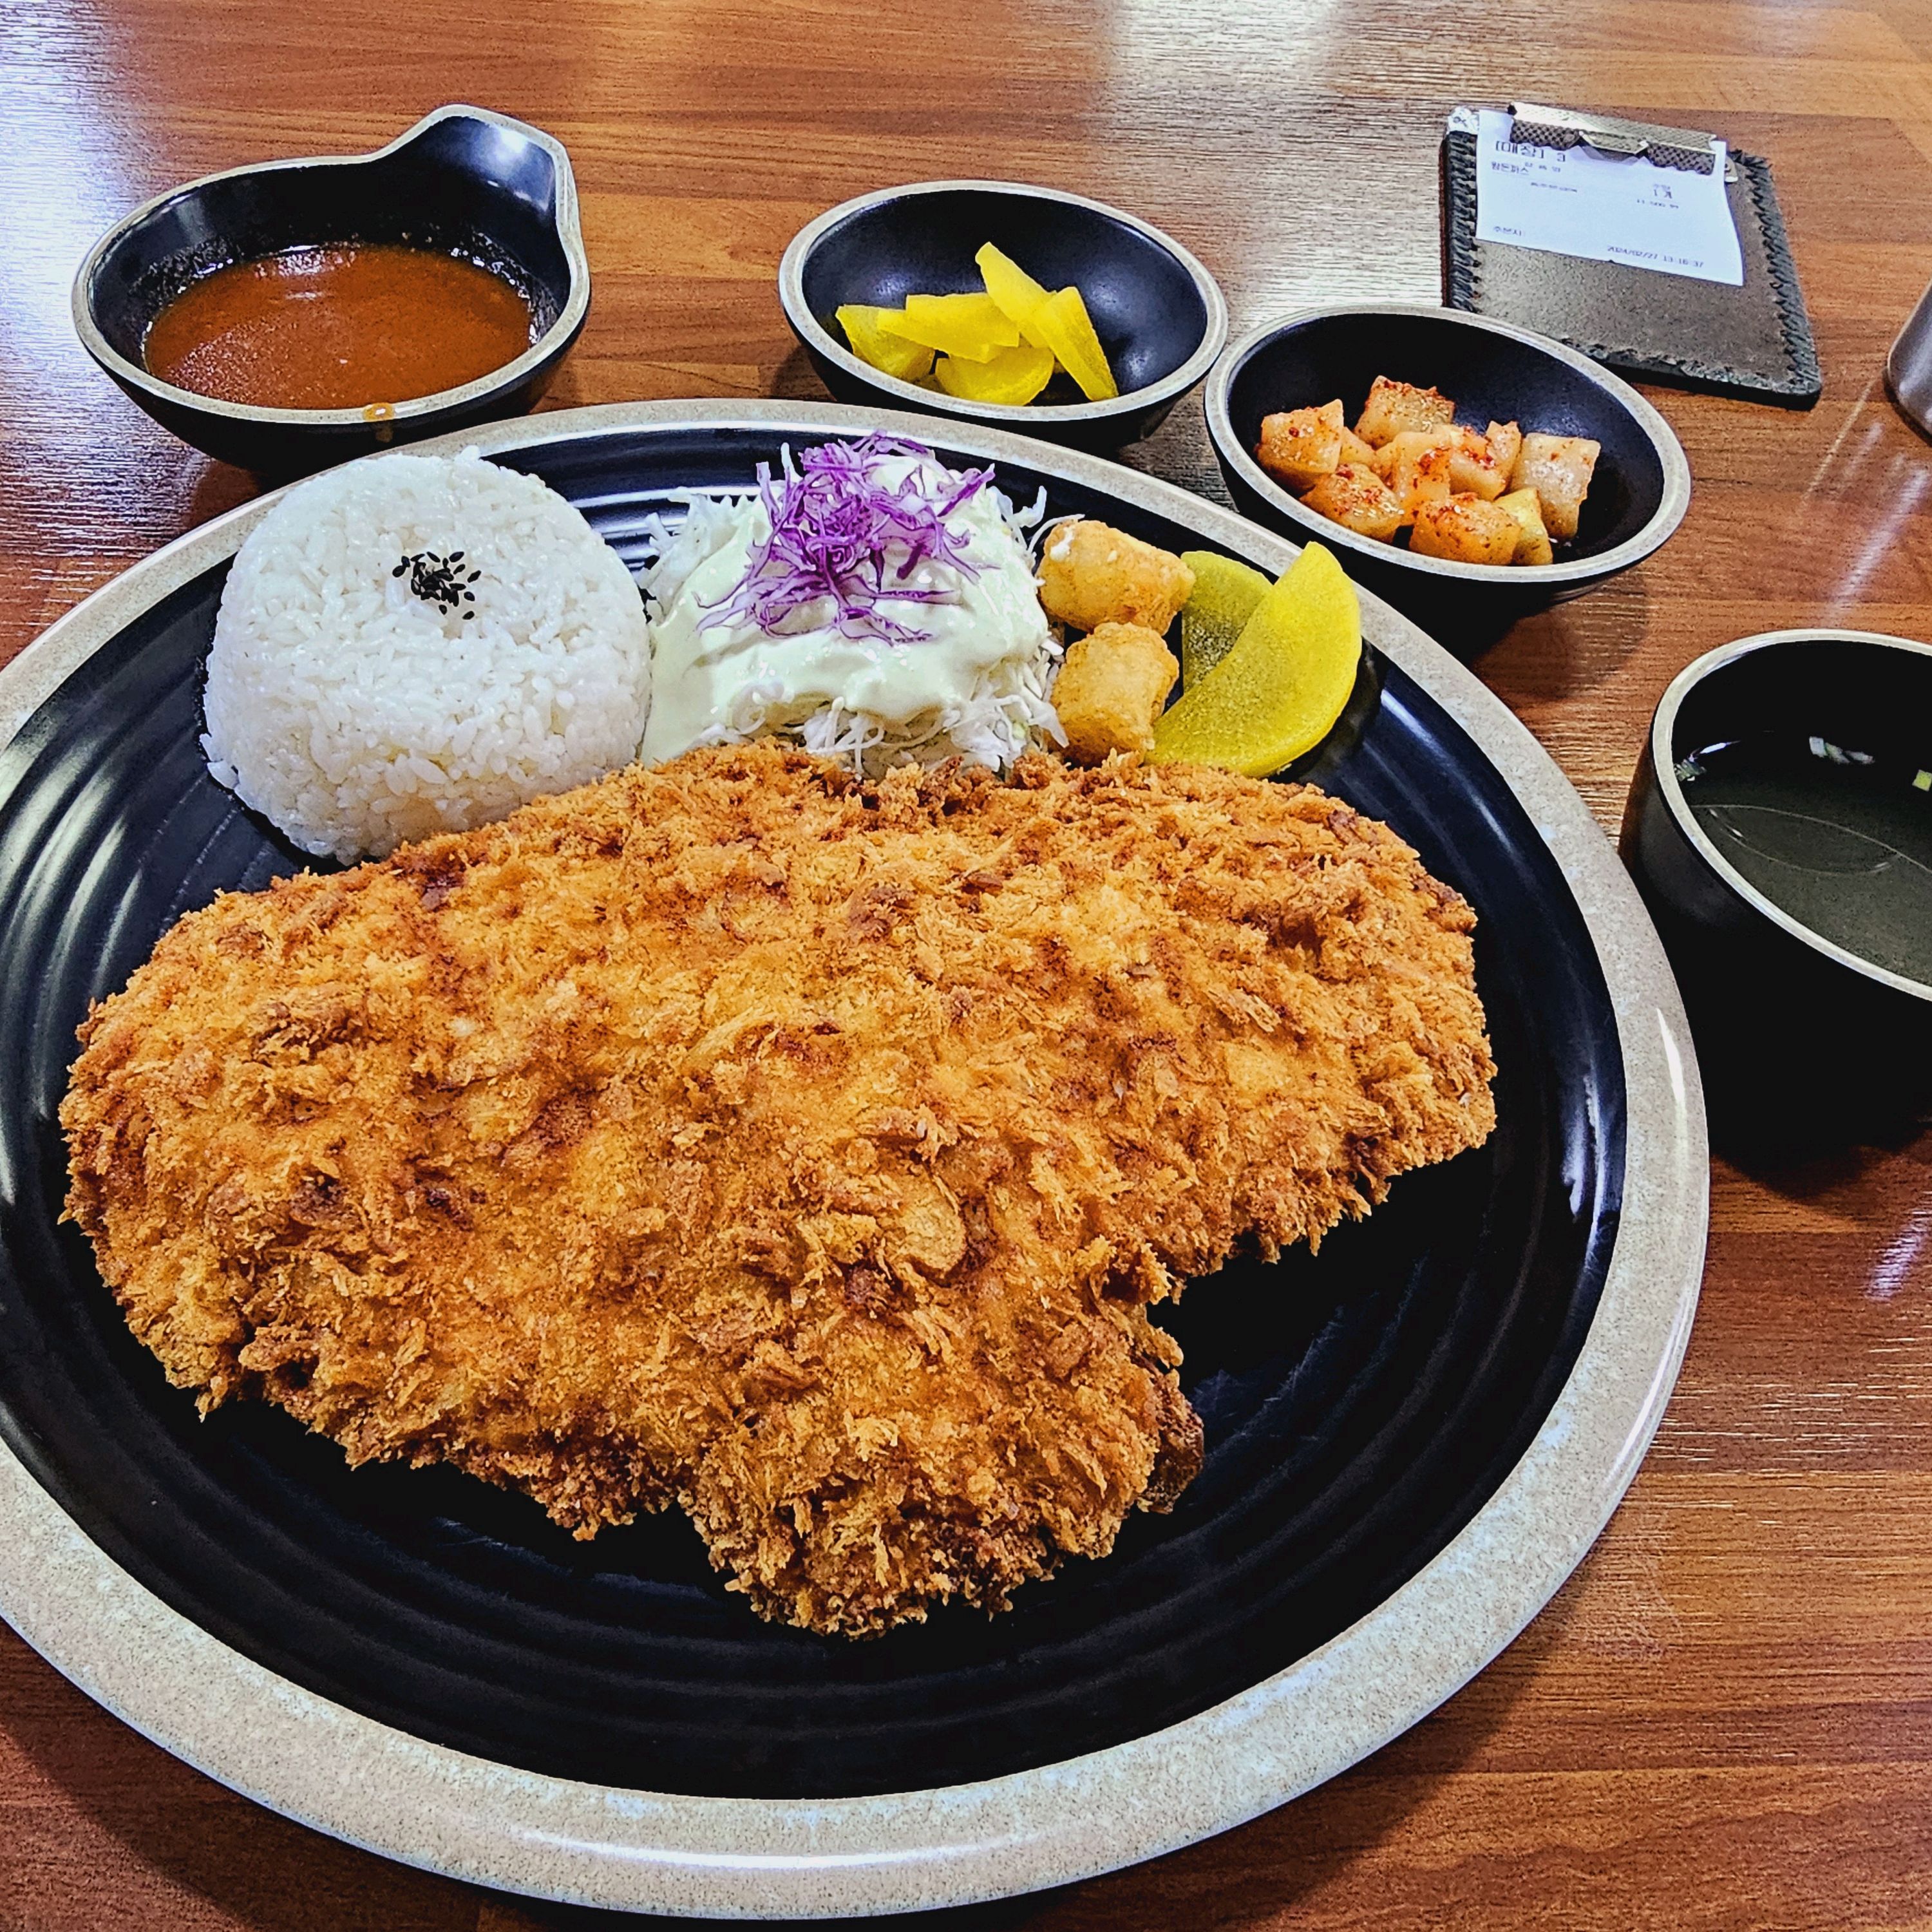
x: 1575, y: 201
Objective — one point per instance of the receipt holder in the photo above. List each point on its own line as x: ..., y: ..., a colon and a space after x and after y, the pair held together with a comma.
x: 1754, y: 341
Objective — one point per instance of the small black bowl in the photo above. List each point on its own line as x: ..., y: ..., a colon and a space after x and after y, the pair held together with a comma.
x: 477, y: 184
x: 1638, y: 495
x: 1158, y: 313
x: 1802, y: 1039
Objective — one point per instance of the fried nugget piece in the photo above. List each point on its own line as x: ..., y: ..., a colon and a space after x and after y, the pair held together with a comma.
x: 1111, y: 689
x: 803, y: 1150
x: 1091, y: 574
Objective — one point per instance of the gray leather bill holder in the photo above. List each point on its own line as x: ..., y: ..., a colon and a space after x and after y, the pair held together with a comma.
x: 1754, y: 341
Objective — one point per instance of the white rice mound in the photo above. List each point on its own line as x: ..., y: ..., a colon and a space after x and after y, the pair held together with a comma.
x: 357, y: 716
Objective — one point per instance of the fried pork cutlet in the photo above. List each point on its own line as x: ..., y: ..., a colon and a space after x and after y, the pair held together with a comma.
x: 804, y: 1151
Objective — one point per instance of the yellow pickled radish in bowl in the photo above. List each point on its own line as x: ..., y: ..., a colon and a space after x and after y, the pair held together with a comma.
x: 1002, y: 346
x: 969, y: 327
x: 1281, y: 685
x: 893, y: 354
x: 1064, y: 323
x: 1015, y: 292
x: 1013, y: 375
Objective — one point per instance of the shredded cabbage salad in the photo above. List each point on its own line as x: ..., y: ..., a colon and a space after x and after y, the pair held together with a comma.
x: 844, y: 530
x: 842, y: 533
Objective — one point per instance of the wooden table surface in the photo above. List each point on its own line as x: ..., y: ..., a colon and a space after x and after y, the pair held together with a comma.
x: 1725, y: 1719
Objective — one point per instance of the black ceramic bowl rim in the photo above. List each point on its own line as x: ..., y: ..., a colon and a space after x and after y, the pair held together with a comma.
x: 1664, y: 520
x: 570, y: 236
x: 1662, y: 729
x: 936, y: 402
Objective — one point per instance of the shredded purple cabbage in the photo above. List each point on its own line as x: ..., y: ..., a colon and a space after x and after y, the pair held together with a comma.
x: 840, y: 534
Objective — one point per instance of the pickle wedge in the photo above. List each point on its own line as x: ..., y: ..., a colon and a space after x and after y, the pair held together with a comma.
x: 1014, y: 291
x: 969, y: 326
x: 1013, y: 375
x: 1223, y: 599
x: 892, y: 355
x: 1280, y: 688
x: 1063, y: 324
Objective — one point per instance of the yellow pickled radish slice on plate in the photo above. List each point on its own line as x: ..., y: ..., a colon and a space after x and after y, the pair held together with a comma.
x: 892, y: 354
x: 1280, y: 690
x: 1013, y: 375
x: 970, y: 326
x: 1223, y: 599
x: 1014, y: 291
x: 1062, y: 322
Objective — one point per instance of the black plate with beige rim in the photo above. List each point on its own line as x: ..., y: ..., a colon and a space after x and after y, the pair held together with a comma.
x: 1411, y: 1439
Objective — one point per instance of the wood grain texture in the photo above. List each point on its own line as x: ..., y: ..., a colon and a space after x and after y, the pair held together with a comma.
x: 1725, y: 1720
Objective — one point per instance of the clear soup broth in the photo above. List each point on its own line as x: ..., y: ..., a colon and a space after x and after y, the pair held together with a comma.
x: 1838, y: 835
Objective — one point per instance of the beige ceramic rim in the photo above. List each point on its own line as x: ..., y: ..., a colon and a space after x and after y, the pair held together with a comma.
x: 382, y: 1788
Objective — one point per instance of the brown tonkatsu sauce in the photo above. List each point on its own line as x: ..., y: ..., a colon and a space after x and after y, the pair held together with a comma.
x: 338, y: 328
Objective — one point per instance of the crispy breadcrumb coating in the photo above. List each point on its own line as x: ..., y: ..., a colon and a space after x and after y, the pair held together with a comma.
x: 803, y: 1150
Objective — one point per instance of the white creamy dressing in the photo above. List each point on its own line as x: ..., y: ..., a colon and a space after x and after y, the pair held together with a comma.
x: 735, y: 678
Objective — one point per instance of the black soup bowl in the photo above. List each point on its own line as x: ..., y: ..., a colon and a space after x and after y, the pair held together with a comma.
x: 1779, y: 829
x: 482, y: 185
x: 1159, y: 314
x: 1494, y: 372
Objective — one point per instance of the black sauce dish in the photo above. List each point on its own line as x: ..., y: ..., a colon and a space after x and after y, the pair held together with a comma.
x: 479, y: 184
x: 1494, y: 371
x: 1803, y: 1039
x: 1159, y: 314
